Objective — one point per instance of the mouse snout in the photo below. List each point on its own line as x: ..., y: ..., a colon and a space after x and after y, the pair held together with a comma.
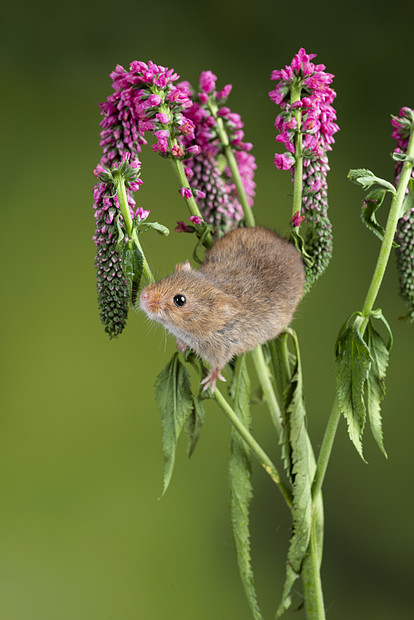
x: 150, y: 302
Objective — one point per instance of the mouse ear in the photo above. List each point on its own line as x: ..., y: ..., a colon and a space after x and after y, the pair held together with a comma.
x: 183, y: 266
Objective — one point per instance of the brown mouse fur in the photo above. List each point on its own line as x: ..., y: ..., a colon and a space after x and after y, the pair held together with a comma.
x: 244, y: 294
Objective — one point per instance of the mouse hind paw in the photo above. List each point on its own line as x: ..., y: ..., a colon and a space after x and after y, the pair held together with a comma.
x: 211, y: 379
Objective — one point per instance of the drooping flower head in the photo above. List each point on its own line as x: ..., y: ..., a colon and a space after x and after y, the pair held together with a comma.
x: 306, y: 126
x: 112, y: 286
x: 403, y: 125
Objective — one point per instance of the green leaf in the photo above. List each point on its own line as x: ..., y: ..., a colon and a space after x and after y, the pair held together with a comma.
x: 194, y: 423
x: 353, y: 363
x: 282, y: 363
x: 401, y: 157
x: 175, y: 402
x: 300, y: 244
x: 376, y: 383
x: 408, y: 202
x: 302, y: 481
x: 371, y: 204
x: 366, y: 178
x: 144, y: 226
x: 132, y: 267
x: 241, y: 487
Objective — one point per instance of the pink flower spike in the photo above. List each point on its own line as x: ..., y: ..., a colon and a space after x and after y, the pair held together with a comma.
x: 297, y: 219
x: 186, y: 192
x: 196, y: 219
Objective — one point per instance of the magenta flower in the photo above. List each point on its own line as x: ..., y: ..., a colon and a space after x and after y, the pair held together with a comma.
x: 207, y: 81
x: 163, y: 118
x: 182, y: 227
x: 177, y: 151
x: 196, y: 219
x: 141, y: 214
x: 186, y: 192
x: 297, y: 219
x: 283, y: 162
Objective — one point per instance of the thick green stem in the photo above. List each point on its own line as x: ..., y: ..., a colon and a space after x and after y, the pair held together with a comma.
x: 132, y: 234
x: 311, y: 579
x: 258, y: 452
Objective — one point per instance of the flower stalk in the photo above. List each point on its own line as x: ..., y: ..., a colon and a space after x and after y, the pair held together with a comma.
x: 232, y: 163
x: 131, y: 231
x: 258, y: 452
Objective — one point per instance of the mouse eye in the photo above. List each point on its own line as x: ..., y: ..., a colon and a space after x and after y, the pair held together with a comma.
x: 179, y: 300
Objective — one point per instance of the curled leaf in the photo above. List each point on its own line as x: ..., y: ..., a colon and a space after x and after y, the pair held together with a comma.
x: 366, y: 178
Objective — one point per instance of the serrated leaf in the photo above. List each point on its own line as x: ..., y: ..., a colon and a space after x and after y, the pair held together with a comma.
x: 302, y: 482
x: 353, y: 362
x: 241, y: 487
x: 194, y: 423
x: 132, y: 267
x: 376, y: 383
x: 366, y: 178
x: 175, y: 402
x: 282, y: 362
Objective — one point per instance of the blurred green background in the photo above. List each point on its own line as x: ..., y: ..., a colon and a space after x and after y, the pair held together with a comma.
x: 82, y: 534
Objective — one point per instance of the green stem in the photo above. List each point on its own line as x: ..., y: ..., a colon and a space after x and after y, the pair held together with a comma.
x: 325, y: 451
x: 298, y: 178
x: 393, y: 217
x: 132, y: 234
x: 259, y: 453
x: 311, y: 579
x: 263, y: 374
x: 232, y: 163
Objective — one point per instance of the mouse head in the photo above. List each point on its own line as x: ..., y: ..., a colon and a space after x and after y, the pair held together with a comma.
x: 187, y: 301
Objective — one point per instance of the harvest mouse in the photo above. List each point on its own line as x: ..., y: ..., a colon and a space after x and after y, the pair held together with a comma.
x: 243, y: 294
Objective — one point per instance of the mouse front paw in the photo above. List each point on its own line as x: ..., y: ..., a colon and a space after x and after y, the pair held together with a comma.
x: 211, y: 379
x: 181, y: 346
